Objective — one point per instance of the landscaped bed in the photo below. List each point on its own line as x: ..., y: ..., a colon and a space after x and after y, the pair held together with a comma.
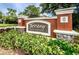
x: 30, y: 44
x: 6, y: 52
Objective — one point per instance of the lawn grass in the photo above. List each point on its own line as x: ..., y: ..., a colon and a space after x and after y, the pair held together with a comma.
x: 7, y: 25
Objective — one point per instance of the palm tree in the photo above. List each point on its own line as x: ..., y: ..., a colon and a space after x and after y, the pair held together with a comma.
x: 11, y: 11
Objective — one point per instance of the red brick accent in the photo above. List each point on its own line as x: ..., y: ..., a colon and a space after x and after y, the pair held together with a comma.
x: 53, y: 26
x: 22, y: 23
x: 66, y: 26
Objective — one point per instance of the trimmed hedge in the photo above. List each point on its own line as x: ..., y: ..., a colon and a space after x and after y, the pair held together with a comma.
x: 7, y: 25
x: 37, y: 44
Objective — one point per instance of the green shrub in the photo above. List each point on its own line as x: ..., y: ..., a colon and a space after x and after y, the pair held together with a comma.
x: 66, y: 46
x: 37, y: 44
x: 7, y: 39
x: 33, y: 44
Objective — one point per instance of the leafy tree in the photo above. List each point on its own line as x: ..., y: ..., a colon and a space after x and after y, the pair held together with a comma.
x: 50, y: 7
x: 1, y: 15
x: 4, y: 19
x: 11, y: 15
x: 31, y: 11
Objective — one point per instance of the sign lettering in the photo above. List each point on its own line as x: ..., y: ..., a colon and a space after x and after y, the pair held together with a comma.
x: 38, y: 27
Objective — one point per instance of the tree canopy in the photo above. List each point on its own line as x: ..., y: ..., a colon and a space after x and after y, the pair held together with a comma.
x: 50, y: 7
x: 1, y: 14
x: 31, y: 11
x: 11, y: 15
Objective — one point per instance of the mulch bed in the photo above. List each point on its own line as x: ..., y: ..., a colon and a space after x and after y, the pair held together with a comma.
x: 10, y: 52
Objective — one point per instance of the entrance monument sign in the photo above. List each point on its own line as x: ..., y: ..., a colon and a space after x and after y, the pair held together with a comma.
x: 38, y: 27
x: 59, y: 26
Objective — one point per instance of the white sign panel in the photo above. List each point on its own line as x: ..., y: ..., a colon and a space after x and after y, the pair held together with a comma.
x: 39, y: 27
x: 64, y: 19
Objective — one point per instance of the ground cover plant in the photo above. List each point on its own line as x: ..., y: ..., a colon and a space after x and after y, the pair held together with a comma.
x: 37, y: 44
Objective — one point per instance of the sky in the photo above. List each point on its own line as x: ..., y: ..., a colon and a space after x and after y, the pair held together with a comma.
x: 17, y: 6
